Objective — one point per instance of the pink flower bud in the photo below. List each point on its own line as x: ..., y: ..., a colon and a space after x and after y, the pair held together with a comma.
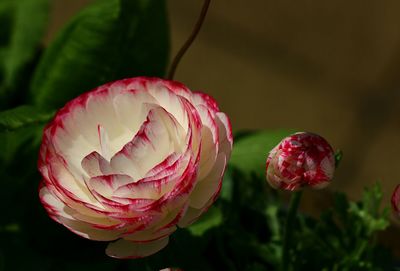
x: 302, y: 159
x: 396, y: 200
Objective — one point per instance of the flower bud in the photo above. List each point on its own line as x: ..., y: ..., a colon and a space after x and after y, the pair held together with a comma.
x: 302, y: 159
x: 396, y: 200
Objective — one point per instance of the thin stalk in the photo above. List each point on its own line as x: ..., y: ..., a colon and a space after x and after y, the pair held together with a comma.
x: 288, y: 231
x: 189, y: 41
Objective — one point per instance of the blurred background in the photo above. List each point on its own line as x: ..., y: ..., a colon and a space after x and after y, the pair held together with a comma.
x: 330, y: 67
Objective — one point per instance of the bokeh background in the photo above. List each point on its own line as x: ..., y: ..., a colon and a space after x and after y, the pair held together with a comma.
x: 330, y: 67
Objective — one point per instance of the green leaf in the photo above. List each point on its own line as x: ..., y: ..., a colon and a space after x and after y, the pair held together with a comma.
x: 12, y: 142
x: 22, y: 116
x: 344, y: 236
x: 23, y: 26
x: 6, y: 16
x: 110, y: 40
x: 368, y: 211
x: 211, y: 219
x: 251, y: 152
x: 227, y: 186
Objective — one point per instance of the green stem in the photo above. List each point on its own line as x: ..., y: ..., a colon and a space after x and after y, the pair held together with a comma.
x: 288, y: 231
x: 361, y: 248
x: 189, y: 41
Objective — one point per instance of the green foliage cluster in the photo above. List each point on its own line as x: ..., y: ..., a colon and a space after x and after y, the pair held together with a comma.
x: 110, y: 40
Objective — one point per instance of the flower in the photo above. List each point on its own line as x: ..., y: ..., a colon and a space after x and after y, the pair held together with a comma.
x: 396, y: 200
x: 302, y: 159
x: 131, y: 160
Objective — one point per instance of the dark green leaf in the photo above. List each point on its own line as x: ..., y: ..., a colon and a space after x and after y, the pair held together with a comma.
x: 12, y: 141
x: 227, y: 186
x: 344, y: 236
x: 22, y: 29
x: 6, y: 16
x: 211, y: 219
x: 368, y: 211
x: 21, y: 116
x: 110, y: 40
x: 251, y: 152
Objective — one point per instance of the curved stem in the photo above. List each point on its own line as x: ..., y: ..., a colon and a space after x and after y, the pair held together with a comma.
x: 189, y: 41
x: 288, y: 231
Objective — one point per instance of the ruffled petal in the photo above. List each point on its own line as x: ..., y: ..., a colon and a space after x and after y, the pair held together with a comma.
x: 156, y: 186
x: 206, y: 188
x: 225, y: 134
x: 106, y: 185
x: 151, y: 145
x: 124, y: 249
x: 64, y: 215
x: 95, y: 165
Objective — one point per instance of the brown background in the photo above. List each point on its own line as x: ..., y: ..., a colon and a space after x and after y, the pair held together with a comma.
x: 331, y: 67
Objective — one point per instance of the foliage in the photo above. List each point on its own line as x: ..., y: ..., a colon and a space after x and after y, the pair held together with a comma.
x: 109, y: 40
x: 22, y: 26
x: 21, y: 116
x: 249, y: 236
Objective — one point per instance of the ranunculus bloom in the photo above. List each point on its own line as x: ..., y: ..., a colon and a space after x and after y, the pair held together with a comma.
x: 131, y: 160
x: 302, y: 159
x: 396, y: 200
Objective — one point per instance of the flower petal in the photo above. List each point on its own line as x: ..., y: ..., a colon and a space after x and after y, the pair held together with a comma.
x: 225, y: 133
x: 105, y: 185
x: 124, y: 249
x: 94, y: 165
x: 62, y: 214
x: 130, y: 107
x: 156, y: 186
x: 209, y: 141
x: 74, y: 188
x: 206, y: 188
x: 165, y: 96
x: 152, y: 144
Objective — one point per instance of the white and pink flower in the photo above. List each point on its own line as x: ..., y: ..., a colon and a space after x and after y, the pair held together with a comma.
x: 131, y: 160
x: 300, y: 160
